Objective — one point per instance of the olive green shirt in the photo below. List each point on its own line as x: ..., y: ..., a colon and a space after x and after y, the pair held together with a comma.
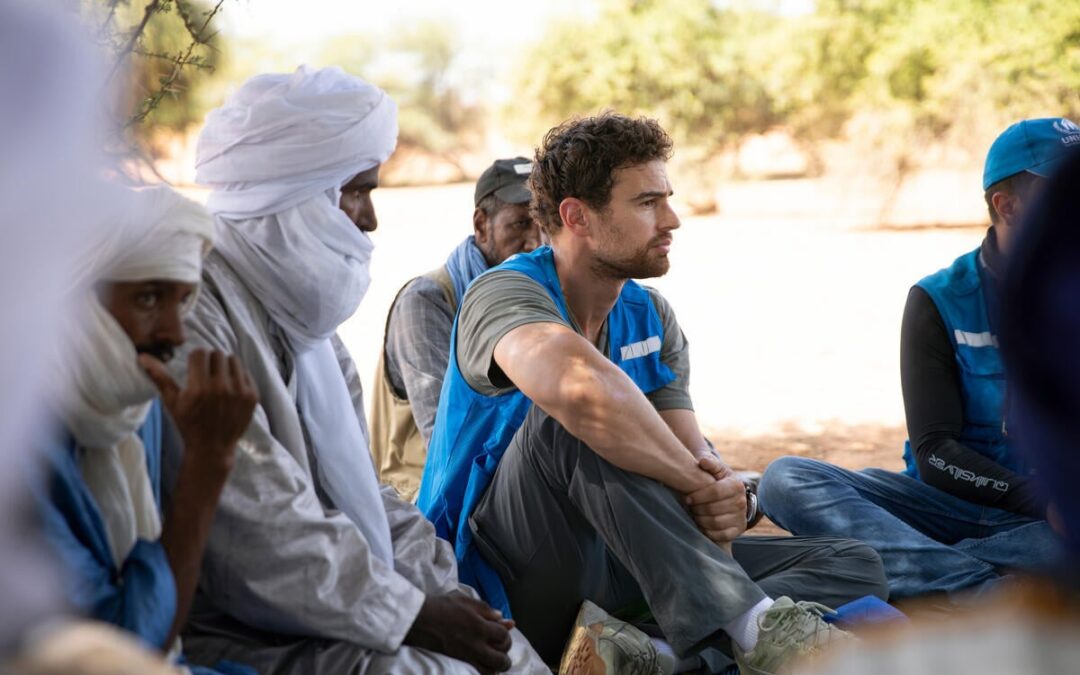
x: 500, y: 301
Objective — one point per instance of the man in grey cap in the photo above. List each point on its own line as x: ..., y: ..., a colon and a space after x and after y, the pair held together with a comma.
x: 416, y: 348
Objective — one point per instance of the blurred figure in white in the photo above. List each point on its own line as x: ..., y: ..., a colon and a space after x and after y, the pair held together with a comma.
x: 50, y: 203
x: 46, y: 210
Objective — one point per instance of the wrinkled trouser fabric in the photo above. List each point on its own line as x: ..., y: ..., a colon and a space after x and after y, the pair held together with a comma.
x: 929, y: 540
x: 561, y: 525
x: 275, y: 654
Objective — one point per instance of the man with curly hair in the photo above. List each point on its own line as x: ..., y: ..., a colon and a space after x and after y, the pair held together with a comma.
x: 567, y: 464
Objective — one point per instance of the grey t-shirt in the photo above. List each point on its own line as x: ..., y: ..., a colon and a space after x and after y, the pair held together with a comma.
x: 501, y: 301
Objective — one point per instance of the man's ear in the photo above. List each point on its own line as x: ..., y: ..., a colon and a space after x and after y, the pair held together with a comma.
x: 479, y: 225
x: 1006, y: 206
x: 574, y: 214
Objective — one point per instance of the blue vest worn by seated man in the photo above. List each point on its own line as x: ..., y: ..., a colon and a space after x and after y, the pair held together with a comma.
x: 964, y: 299
x: 472, y: 431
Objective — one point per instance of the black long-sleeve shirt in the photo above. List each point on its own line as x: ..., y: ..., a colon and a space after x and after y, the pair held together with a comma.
x: 934, y: 407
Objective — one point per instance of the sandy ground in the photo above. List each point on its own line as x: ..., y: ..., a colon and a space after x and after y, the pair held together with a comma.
x: 790, y: 297
x: 792, y: 310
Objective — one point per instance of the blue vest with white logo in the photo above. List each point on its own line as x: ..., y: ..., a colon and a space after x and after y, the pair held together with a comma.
x: 958, y: 293
x: 472, y: 431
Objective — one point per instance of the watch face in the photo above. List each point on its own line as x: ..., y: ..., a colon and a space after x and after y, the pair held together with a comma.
x: 751, y: 505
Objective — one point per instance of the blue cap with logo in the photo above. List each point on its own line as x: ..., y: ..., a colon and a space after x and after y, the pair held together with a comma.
x: 1037, y: 146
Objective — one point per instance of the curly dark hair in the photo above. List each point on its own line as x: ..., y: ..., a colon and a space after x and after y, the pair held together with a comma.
x: 579, y: 158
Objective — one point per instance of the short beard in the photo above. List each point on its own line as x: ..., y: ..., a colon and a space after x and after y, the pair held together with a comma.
x: 488, y: 250
x: 637, y: 265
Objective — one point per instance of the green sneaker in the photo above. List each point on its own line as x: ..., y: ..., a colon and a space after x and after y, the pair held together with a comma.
x: 789, y: 631
x: 602, y: 645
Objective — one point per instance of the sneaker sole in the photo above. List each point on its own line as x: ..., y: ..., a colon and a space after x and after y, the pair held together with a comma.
x: 581, y: 656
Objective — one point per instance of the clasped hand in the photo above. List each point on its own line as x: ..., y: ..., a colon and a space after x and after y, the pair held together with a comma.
x: 719, y: 509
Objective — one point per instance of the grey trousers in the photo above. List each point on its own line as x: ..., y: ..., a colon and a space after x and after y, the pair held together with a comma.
x: 560, y: 525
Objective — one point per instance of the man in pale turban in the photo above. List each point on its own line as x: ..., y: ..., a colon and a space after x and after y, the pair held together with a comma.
x: 119, y: 408
x: 311, y: 566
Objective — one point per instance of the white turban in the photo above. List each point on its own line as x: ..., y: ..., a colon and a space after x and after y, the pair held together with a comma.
x: 282, y: 139
x: 105, y: 395
x: 155, y: 233
x: 276, y: 155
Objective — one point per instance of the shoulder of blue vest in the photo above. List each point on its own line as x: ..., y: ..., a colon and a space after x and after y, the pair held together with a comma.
x: 523, y: 261
x: 961, y: 277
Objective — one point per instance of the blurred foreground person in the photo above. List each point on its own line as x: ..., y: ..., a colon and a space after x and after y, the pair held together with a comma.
x: 103, y: 510
x: 965, y: 510
x: 416, y: 348
x: 567, y: 463
x: 1034, y: 626
x: 46, y: 63
x: 311, y: 567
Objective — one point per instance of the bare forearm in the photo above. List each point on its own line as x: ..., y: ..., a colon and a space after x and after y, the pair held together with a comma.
x: 596, y: 402
x: 186, y: 528
x: 605, y: 409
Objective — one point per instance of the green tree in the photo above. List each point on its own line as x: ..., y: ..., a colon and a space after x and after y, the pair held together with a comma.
x: 167, y: 50
x: 682, y: 61
x: 905, y: 73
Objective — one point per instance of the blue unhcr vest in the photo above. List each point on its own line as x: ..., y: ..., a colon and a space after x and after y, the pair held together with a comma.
x: 472, y: 431
x: 958, y: 293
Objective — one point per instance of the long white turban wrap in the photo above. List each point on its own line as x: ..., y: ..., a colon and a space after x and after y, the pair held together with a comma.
x: 106, y: 397
x: 276, y: 155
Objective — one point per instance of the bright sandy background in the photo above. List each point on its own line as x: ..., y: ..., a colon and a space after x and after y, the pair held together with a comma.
x: 791, y: 303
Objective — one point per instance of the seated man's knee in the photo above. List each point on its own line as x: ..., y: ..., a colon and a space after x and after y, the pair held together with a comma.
x: 866, y: 563
x: 781, y: 482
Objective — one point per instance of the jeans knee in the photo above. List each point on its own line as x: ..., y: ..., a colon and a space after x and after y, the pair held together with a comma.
x: 780, y: 484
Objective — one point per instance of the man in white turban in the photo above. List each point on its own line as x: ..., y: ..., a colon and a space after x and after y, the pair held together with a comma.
x: 311, y: 566
x: 102, y: 510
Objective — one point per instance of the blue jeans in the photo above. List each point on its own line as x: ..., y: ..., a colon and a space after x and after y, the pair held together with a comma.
x: 929, y: 540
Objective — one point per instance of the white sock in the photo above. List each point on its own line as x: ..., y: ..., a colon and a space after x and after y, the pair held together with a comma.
x: 670, y: 661
x: 743, y: 629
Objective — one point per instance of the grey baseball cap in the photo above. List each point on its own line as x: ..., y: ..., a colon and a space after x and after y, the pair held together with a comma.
x: 506, y: 179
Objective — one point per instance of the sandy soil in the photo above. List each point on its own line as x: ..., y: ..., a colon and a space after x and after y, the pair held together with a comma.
x: 792, y: 311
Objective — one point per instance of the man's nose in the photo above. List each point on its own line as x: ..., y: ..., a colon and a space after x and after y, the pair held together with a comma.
x: 670, y: 221
x: 170, y: 328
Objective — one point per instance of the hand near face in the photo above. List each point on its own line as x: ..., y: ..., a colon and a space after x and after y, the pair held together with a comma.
x: 214, y: 407
x: 719, y: 509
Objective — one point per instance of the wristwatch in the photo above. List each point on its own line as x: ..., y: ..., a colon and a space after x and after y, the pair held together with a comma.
x: 753, y: 514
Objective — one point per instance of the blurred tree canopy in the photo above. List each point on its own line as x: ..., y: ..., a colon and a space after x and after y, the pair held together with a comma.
x: 166, y: 50
x: 901, y: 72
x: 415, y: 65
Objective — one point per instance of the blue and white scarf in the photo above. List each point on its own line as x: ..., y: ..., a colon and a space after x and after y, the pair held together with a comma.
x: 466, y: 262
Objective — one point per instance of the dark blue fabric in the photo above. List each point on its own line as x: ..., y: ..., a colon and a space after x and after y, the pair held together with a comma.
x: 960, y: 296
x: 1041, y: 344
x: 140, y: 596
x: 472, y: 431
x: 929, y: 540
